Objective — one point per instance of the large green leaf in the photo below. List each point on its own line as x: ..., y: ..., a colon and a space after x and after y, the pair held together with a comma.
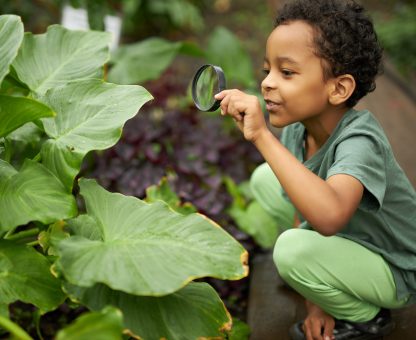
x: 146, y: 249
x: 11, y: 36
x: 16, y: 111
x: 4, y: 310
x: 32, y: 194
x: 145, y: 60
x: 224, y: 49
x: 194, y: 312
x: 29, y: 133
x: 59, y: 56
x: 25, y: 276
x: 103, y: 325
x: 90, y: 116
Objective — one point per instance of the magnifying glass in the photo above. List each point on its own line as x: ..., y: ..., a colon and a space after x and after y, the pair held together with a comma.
x: 207, y: 82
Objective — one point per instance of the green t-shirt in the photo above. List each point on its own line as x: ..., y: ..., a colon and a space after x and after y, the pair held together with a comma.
x: 385, y: 221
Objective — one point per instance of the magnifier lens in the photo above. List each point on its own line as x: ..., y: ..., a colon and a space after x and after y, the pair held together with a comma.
x: 206, y: 87
x: 207, y: 82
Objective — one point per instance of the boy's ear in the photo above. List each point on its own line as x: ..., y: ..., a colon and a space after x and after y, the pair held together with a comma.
x: 341, y: 88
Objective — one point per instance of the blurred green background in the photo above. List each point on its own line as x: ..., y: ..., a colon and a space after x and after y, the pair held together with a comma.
x: 195, y: 20
x: 162, y: 43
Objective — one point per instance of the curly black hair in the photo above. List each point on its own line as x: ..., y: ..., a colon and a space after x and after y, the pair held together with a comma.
x: 344, y: 37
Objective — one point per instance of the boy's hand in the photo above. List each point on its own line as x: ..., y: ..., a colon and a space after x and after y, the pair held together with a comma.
x: 316, y: 321
x: 245, y: 110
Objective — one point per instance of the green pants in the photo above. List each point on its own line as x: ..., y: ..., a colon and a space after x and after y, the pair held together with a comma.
x: 268, y: 192
x: 344, y: 278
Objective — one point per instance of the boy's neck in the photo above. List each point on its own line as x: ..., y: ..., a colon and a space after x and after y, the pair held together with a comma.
x: 320, y: 128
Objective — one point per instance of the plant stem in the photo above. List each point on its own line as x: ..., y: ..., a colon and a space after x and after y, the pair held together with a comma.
x: 13, y: 328
x: 36, y: 319
x: 34, y: 243
x: 10, y: 232
x: 22, y: 234
x: 36, y: 158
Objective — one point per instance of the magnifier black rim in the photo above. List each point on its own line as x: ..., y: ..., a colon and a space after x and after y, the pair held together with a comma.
x: 221, y: 86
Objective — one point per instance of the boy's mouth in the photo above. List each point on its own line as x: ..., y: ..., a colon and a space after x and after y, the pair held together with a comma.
x: 271, y: 105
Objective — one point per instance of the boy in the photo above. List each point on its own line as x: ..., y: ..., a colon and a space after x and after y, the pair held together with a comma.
x: 354, y: 254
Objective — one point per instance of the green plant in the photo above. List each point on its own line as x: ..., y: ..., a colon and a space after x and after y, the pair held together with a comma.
x: 158, y: 17
x: 120, y: 251
x: 224, y: 48
x: 141, y: 18
x: 155, y: 16
x: 147, y: 59
x: 398, y: 38
x: 250, y: 216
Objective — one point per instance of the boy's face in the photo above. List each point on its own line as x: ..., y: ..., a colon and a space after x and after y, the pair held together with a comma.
x: 294, y: 88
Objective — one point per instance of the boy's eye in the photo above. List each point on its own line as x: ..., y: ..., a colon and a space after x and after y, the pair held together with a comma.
x: 266, y: 71
x: 287, y: 73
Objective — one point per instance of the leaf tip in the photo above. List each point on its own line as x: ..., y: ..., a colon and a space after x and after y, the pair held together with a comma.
x: 244, y: 262
x: 226, y: 327
x: 129, y: 333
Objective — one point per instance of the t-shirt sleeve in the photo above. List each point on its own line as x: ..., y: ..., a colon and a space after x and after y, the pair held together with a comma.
x: 363, y: 158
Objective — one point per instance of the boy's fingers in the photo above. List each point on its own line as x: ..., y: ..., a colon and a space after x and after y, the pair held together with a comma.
x: 316, y: 330
x: 308, y: 333
x: 224, y: 106
x: 224, y: 93
x: 231, y: 103
x: 329, y: 330
x: 234, y: 109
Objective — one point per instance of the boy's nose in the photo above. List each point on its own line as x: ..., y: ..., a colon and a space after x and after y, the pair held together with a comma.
x: 267, y: 83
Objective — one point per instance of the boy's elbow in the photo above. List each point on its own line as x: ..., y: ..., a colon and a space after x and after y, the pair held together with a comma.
x: 325, y: 231
x: 330, y: 224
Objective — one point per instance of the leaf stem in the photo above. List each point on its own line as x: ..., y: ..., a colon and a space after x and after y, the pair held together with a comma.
x: 33, y: 243
x: 36, y: 319
x: 13, y: 328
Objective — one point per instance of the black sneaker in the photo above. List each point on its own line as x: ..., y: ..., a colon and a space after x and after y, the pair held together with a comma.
x: 376, y: 328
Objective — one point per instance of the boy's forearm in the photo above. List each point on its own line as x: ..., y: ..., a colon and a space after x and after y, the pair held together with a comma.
x: 311, y: 195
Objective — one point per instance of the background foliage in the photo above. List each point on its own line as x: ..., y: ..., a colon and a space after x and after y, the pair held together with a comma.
x: 398, y: 38
x: 200, y: 158
x: 95, y: 256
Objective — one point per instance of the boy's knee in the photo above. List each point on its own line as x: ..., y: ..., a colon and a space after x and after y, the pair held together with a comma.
x: 267, y: 191
x: 285, y: 254
x: 260, y: 179
x: 294, y: 251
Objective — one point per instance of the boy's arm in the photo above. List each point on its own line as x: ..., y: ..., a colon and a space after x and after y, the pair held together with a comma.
x: 326, y: 205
